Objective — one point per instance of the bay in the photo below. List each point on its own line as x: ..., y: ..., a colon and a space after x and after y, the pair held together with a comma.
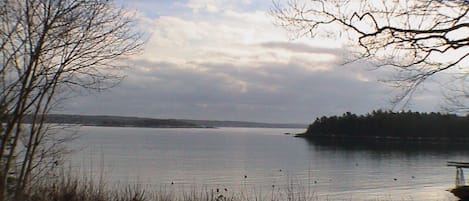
x: 262, y: 160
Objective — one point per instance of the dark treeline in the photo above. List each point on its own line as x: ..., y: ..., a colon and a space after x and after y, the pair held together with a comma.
x: 391, y: 125
x: 114, y: 121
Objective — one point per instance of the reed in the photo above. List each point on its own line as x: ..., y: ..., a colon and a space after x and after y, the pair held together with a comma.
x: 64, y: 186
x: 81, y: 189
x: 71, y: 188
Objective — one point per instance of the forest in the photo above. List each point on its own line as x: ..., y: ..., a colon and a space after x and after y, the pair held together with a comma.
x: 381, y: 124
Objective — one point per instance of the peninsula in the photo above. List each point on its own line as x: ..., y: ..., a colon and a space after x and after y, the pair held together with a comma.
x: 125, y: 121
x: 387, y: 125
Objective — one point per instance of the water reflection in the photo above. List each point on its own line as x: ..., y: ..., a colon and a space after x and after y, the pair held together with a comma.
x: 248, y: 158
x: 414, y: 169
x: 416, y: 147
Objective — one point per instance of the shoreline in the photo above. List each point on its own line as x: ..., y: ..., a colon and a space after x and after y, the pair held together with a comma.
x: 420, y: 139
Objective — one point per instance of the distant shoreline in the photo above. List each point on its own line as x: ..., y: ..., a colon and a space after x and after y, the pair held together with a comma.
x: 139, y: 122
x: 132, y: 126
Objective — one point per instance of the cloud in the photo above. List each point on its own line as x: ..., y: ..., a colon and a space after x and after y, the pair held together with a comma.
x: 301, y: 47
x: 213, y: 6
x: 270, y: 92
x: 223, y: 62
x: 207, y: 5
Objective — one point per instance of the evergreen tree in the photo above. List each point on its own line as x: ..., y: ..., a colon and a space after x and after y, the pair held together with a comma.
x: 388, y: 124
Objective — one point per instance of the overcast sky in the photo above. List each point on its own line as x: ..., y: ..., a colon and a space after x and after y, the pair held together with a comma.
x: 226, y: 60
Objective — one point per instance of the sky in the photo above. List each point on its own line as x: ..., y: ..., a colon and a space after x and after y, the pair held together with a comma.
x: 227, y: 60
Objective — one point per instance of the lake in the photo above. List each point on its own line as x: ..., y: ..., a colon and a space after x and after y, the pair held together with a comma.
x: 263, y: 159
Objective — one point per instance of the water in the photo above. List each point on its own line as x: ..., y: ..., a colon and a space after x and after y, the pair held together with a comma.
x: 264, y: 159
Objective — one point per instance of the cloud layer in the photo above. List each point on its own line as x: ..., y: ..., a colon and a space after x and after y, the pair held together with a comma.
x: 223, y: 60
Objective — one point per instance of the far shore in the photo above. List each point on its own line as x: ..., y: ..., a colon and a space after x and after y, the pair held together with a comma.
x: 143, y: 122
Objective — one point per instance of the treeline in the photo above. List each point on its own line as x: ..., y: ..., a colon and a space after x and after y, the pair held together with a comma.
x: 123, y: 121
x: 391, y: 125
x: 114, y: 121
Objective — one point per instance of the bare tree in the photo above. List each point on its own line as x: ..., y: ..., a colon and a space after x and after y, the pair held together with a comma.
x: 418, y: 38
x: 47, y: 48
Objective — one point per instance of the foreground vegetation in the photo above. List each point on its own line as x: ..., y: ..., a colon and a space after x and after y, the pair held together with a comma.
x: 52, y: 51
x: 66, y: 188
x: 391, y: 125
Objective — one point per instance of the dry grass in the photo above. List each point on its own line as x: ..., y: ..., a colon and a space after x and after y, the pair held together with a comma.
x: 67, y: 188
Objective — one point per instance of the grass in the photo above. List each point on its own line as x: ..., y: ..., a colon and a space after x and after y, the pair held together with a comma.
x: 83, y: 189
x: 68, y: 188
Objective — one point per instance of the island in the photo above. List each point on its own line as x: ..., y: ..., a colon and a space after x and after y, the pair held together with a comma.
x: 382, y: 125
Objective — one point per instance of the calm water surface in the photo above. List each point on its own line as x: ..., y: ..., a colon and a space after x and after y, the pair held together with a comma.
x: 263, y: 159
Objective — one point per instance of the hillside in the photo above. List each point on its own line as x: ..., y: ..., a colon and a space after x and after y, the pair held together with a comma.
x: 123, y: 121
x: 116, y: 121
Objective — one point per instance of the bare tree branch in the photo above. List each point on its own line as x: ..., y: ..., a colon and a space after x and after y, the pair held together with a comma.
x: 419, y: 37
x: 48, y: 47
